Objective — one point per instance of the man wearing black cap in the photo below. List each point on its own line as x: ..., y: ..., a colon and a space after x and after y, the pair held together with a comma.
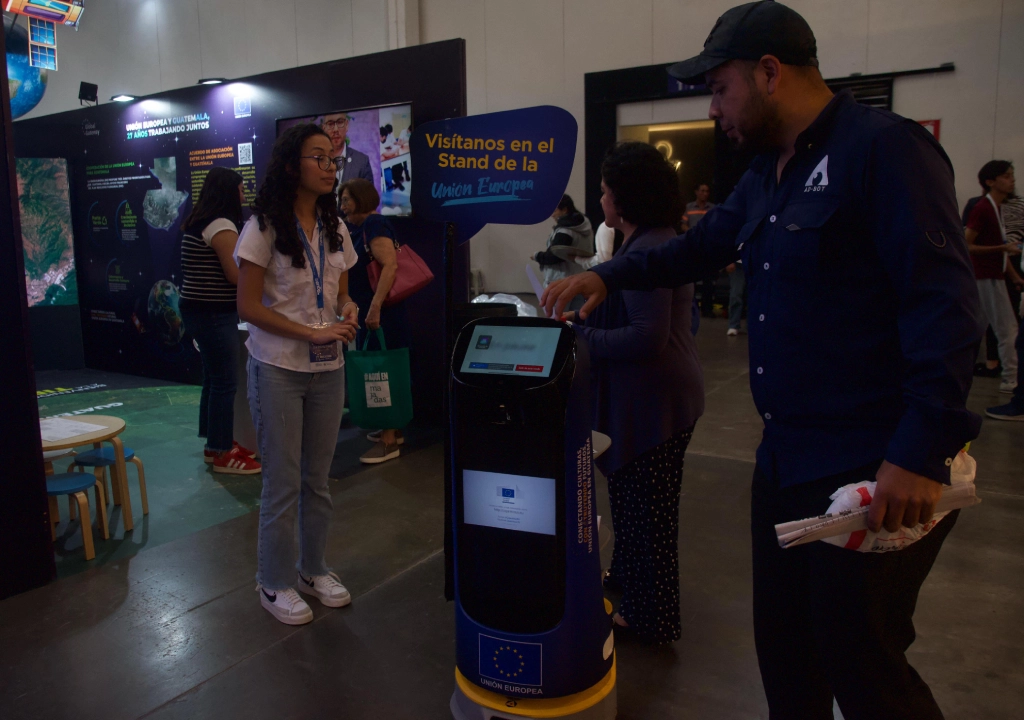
x: 864, y: 325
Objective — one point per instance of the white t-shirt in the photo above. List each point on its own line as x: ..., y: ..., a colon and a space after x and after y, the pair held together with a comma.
x: 290, y: 291
x: 604, y: 243
x: 215, y: 227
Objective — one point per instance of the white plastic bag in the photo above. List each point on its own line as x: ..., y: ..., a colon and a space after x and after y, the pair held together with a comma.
x: 858, y: 495
x: 522, y: 309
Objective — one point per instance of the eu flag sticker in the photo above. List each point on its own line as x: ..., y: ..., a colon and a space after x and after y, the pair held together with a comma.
x: 513, y: 662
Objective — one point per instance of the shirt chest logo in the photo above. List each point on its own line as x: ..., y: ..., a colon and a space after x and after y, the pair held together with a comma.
x: 818, y: 179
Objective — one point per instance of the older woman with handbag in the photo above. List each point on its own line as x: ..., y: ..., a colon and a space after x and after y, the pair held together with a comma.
x: 375, y: 242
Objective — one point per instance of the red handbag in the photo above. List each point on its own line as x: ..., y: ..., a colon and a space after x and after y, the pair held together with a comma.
x: 412, y: 276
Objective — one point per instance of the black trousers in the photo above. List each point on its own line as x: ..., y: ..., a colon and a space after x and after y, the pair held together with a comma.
x: 835, y: 622
x: 644, y: 496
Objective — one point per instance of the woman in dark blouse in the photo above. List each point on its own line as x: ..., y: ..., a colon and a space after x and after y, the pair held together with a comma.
x: 648, y: 391
x: 374, y: 241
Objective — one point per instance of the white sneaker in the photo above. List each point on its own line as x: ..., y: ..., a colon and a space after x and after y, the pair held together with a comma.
x: 732, y: 332
x: 285, y: 605
x: 327, y: 588
x: 1007, y: 387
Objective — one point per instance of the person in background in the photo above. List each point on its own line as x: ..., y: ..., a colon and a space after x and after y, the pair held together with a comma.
x: 648, y: 391
x: 991, y: 367
x: 604, y: 243
x: 1013, y: 221
x: 864, y: 326
x: 388, y: 145
x: 353, y: 164
x: 571, y: 238
x: 374, y: 240
x: 695, y: 212
x: 293, y: 259
x: 210, y: 314
x: 604, y: 247
x: 990, y: 253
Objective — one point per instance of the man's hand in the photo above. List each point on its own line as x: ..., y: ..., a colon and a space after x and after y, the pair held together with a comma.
x: 1012, y: 249
x: 561, y: 292
x: 902, y: 498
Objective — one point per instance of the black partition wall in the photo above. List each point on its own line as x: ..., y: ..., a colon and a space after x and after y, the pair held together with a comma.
x: 135, y: 167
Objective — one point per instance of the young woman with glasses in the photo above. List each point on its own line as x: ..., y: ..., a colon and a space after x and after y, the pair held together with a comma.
x: 293, y: 259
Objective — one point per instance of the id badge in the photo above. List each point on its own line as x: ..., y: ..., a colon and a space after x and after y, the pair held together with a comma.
x: 323, y: 357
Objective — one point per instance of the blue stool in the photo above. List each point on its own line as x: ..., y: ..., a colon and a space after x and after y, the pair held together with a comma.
x: 75, y: 485
x: 103, y: 458
x: 48, y: 457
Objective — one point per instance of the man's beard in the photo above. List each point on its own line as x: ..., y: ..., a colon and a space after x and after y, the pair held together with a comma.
x: 759, y: 129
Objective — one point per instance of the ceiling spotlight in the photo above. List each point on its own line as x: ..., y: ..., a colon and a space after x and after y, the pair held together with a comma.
x: 122, y: 98
x: 212, y: 81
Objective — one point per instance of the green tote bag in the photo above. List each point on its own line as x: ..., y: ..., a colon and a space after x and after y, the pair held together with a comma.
x: 379, y: 393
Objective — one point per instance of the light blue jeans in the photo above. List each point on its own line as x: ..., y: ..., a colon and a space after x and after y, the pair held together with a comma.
x: 297, y: 416
x: 737, y: 284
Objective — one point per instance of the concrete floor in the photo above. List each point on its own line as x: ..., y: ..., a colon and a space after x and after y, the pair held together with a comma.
x: 177, y: 631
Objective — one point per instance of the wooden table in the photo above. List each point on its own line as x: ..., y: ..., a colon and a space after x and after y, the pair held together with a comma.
x: 112, y: 427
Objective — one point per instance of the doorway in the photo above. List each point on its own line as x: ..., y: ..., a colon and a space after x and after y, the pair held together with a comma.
x: 688, y: 146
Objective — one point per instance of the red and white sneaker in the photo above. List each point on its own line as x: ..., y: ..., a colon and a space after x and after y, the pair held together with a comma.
x: 244, y: 450
x: 235, y: 462
x: 209, y: 455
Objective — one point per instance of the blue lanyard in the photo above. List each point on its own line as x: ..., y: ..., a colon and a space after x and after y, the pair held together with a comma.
x: 318, y: 281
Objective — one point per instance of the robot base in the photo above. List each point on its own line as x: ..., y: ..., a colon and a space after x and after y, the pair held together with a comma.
x: 470, y: 702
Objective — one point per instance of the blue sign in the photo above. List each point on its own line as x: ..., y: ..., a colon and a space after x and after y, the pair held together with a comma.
x: 505, y: 167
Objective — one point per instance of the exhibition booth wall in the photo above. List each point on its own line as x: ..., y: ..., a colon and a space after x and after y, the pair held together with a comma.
x: 120, y: 177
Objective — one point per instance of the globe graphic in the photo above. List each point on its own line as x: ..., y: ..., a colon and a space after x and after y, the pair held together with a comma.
x: 164, y: 315
x: 27, y: 83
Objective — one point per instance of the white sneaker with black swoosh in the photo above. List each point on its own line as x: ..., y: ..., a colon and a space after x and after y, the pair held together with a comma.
x: 327, y: 588
x: 285, y: 605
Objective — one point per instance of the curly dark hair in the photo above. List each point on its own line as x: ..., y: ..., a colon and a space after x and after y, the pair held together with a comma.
x: 218, y: 199
x: 275, y: 201
x: 645, y: 186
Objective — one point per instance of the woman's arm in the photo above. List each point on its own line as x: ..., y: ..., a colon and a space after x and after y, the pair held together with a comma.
x: 223, y: 244
x: 383, y: 250
x: 646, y: 335
x: 252, y: 310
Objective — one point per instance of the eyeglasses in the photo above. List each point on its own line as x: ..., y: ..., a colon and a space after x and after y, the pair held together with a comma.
x: 325, y: 161
x: 336, y: 124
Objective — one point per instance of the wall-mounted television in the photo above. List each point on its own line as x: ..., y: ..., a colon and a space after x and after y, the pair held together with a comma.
x: 375, y: 144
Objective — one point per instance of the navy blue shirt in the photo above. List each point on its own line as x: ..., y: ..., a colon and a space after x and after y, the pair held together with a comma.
x: 863, y: 313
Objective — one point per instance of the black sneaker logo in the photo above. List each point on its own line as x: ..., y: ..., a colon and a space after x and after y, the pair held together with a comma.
x: 308, y: 582
x: 268, y: 596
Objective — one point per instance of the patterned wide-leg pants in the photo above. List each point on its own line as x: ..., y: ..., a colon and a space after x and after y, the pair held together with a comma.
x: 644, y: 498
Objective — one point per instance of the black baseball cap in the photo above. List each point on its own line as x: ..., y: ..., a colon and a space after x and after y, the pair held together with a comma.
x: 749, y: 32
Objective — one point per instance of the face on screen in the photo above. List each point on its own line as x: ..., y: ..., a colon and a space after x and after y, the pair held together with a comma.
x: 336, y: 125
